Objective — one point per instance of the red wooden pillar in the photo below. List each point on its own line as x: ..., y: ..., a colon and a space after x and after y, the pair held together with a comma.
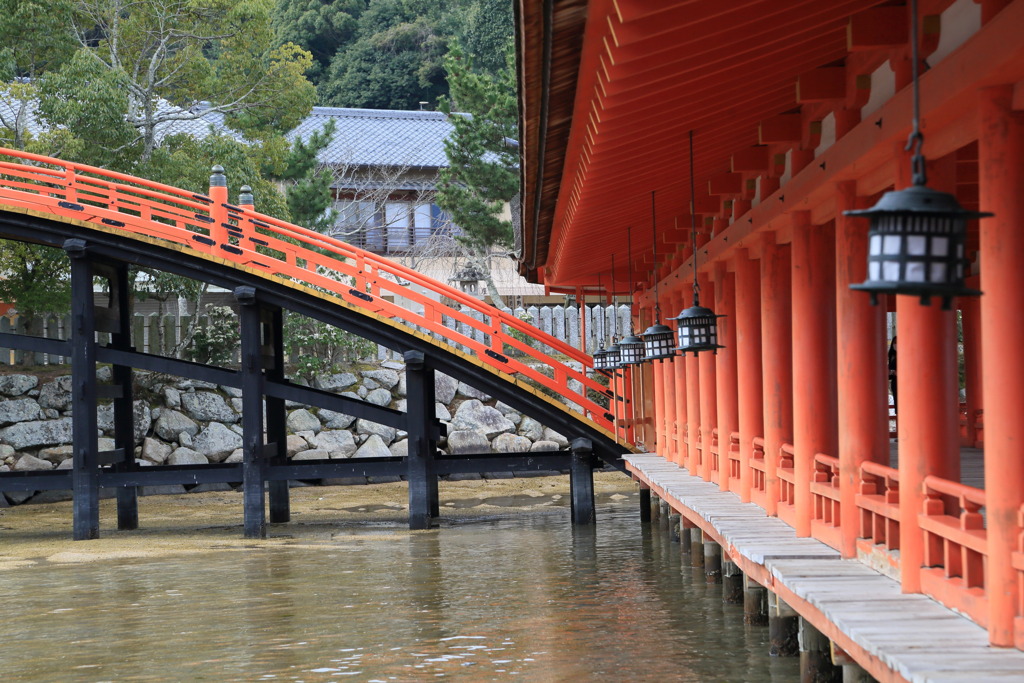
x: 728, y: 402
x: 777, y: 359
x: 970, y: 310
x: 928, y: 400
x: 861, y: 356
x: 708, y: 398
x: 748, y: 363
x: 670, y: 389
x: 678, y: 367
x: 693, y: 413
x: 662, y: 444
x: 1001, y: 162
x: 814, y: 398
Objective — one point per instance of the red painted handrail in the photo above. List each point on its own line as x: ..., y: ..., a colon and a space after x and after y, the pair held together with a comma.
x: 136, y: 207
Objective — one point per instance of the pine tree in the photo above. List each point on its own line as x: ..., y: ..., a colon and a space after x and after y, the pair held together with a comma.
x: 482, y: 176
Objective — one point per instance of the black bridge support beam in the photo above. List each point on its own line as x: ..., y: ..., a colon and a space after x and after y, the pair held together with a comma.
x: 254, y: 470
x: 645, y: 504
x: 581, y: 482
x: 277, y: 432
x: 120, y: 303
x: 424, y: 503
x: 85, y: 464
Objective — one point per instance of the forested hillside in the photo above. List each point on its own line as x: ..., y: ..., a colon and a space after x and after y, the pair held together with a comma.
x: 388, y: 54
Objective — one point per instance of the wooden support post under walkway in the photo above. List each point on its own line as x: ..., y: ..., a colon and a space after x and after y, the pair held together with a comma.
x: 253, y: 460
x: 423, y: 494
x: 581, y: 482
x: 85, y: 468
x: 272, y: 320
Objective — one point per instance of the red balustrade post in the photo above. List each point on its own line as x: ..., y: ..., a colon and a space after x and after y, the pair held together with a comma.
x: 861, y: 362
x: 1001, y: 163
x: 777, y: 358
x: 693, y: 413
x: 218, y: 212
x: 814, y: 346
x: 748, y: 362
x: 728, y: 401
x: 661, y: 416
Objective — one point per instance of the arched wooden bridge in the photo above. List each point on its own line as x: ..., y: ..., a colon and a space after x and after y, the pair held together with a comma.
x: 107, y: 222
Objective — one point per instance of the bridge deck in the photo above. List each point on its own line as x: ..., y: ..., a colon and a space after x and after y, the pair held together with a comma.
x: 895, y: 636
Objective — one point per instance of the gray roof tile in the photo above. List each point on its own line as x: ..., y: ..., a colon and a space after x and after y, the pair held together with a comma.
x: 377, y: 137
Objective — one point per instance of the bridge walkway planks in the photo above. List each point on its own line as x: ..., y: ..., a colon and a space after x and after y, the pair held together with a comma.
x: 894, y: 636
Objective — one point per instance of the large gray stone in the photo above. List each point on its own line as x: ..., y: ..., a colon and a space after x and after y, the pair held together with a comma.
x: 57, y: 454
x: 172, y: 397
x: 186, y: 456
x: 143, y: 420
x: 295, y: 444
x: 30, y: 463
x: 207, y: 406
x: 19, y: 410
x: 379, y: 397
x: 337, y: 442
x: 543, y: 446
x: 474, y: 415
x: 37, y: 433
x: 387, y: 434
x: 16, y: 385
x: 56, y: 393
x: 337, y: 382
x: 467, y: 441
x: 312, y: 454
x: 333, y: 420
x: 302, y: 420
x: 531, y: 429
x: 444, y: 388
x: 467, y: 391
x: 441, y: 412
x: 216, y: 442
x: 552, y: 435
x: 399, y: 449
x: 155, y: 451
x: 511, y: 443
x: 384, y: 377
x: 171, y: 423
x: 374, y: 447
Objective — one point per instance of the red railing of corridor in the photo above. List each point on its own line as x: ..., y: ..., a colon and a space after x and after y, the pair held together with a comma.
x: 825, y: 502
x: 955, y: 546
x: 140, y: 208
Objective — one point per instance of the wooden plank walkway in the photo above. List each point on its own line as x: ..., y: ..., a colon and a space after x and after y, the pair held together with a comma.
x: 892, y: 635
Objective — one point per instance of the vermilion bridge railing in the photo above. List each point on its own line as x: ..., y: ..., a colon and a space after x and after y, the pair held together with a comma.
x: 136, y: 207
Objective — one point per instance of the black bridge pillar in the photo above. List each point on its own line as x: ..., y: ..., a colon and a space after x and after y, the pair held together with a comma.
x: 581, y: 482
x: 423, y: 495
x: 85, y: 465
x: 120, y: 327
x: 645, y: 503
x: 277, y: 432
x: 253, y: 460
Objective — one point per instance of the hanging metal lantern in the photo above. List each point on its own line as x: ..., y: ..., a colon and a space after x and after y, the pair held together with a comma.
x: 613, y: 357
x: 631, y: 350
x: 698, y: 329
x: 658, y: 340
x: 600, y: 358
x: 917, y: 234
x: 916, y: 245
x: 698, y: 326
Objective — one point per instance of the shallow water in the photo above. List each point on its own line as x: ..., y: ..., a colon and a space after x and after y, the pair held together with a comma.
x: 521, y: 597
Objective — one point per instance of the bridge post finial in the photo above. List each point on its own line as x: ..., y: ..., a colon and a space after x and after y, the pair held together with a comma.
x: 218, y: 209
x: 245, y: 198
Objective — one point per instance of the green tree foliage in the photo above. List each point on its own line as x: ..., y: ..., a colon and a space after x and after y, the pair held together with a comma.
x: 317, y: 349
x: 485, y: 32
x: 188, y: 52
x: 396, y: 60
x: 482, y: 174
x: 321, y: 27
x: 36, y: 278
x: 308, y: 182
